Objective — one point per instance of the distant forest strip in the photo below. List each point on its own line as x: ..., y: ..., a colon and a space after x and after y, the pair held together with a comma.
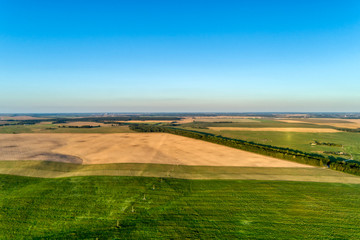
x: 85, y: 126
x: 91, y: 119
x: 336, y: 163
x: 356, y: 130
x: 113, y: 119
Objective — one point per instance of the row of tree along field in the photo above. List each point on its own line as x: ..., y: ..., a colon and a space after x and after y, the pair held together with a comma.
x: 336, y: 163
x: 326, y: 144
x: 356, y: 130
x: 85, y: 126
x: 91, y: 119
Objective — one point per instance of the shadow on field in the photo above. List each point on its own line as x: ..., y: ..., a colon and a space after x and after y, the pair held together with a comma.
x: 64, y: 158
x: 47, y: 169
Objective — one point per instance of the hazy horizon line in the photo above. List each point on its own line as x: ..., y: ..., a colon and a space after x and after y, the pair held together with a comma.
x: 183, y: 112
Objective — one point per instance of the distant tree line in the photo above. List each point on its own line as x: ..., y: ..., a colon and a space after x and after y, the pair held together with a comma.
x: 336, y: 163
x: 108, y: 120
x: 84, y: 126
x: 7, y: 124
x: 356, y: 130
x: 21, y: 122
x: 114, y: 119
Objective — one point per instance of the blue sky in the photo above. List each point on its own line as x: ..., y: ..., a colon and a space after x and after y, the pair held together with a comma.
x: 156, y: 56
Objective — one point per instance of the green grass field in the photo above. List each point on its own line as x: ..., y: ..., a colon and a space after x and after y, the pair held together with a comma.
x: 299, y: 141
x: 255, y: 123
x: 148, y: 208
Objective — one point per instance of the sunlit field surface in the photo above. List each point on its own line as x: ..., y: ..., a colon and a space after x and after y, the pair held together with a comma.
x: 137, y: 207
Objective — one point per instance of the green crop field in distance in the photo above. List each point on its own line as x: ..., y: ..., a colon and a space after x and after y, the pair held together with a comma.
x: 255, y: 123
x: 294, y: 140
x: 301, y: 141
x: 147, y: 208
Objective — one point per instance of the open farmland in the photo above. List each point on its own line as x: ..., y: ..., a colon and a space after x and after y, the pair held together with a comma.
x: 147, y: 154
x: 159, y: 185
x: 347, y: 142
x: 157, y: 148
x: 146, y: 185
x: 296, y: 134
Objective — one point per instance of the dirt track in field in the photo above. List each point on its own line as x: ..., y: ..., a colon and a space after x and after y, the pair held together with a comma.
x: 159, y: 148
x: 308, y: 130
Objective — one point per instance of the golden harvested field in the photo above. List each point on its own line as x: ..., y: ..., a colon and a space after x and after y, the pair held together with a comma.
x: 186, y: 120
x: 146, y: 154
x: 309, y: 130
x: 218, y: 119
x: 159, y: 148
x: 334, y: 122
x: 225, y: 119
